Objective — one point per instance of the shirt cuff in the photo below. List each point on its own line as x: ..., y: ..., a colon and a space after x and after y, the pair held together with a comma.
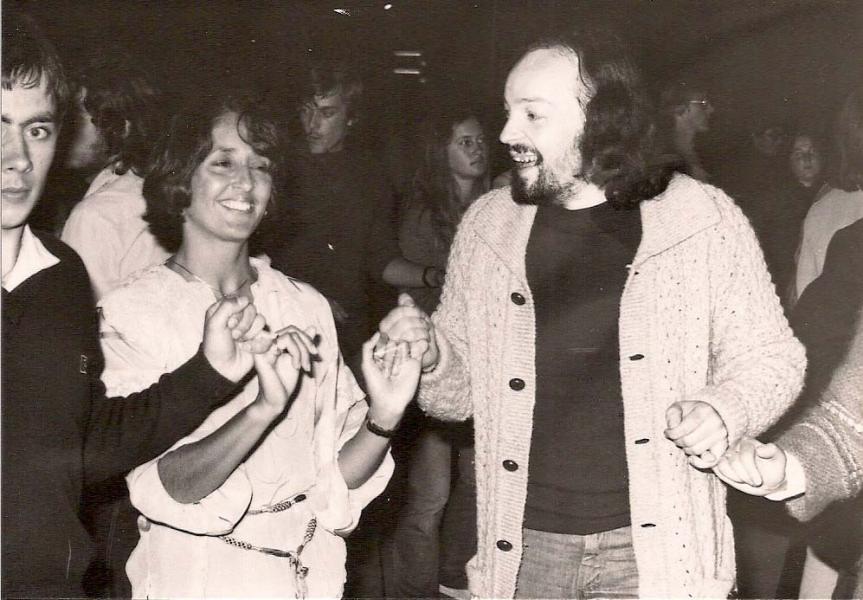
x: 795, y: 480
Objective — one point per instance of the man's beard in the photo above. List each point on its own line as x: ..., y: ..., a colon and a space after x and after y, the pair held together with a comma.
x: 544, y: 191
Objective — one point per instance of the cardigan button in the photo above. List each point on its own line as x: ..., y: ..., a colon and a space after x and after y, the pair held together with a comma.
x: 517, y: 298
x: 516, y: 384
x: 143, y: 523
x: 510, y: 465
x: 504, y: 545
x: 636, y: 357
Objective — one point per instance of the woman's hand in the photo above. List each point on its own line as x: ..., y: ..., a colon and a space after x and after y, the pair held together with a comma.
x: 279, y: 368
x: 391, y: 379
x: 407, y: 323
x: 230, y: 328
x: 753, y: 468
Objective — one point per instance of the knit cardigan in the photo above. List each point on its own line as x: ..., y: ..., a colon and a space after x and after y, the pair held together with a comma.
x: 828, y: 439
x: 699, y: 320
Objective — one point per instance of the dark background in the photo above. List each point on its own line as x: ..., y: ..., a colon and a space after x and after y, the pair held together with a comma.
x: 760, y: 61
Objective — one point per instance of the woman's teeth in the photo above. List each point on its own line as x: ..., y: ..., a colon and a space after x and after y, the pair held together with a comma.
x: 240, y: 205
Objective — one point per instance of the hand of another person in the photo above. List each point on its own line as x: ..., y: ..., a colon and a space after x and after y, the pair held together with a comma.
x: 230, y: 326
x: 391, y: 381
x: 408, y: 323
x: 753, y: 468
x: 340, y: 315
x: 280, y: 367
x: 696, y: 428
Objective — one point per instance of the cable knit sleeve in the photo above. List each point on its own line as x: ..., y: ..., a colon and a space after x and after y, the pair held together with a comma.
x: 445, y: 391
x: 828, y: 439
x: 757, y: 363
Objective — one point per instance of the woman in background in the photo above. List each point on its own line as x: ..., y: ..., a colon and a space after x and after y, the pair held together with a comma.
x: 454, y: 172
x: 778, y: 217
x: 842, y: 205
x: 256, y: 500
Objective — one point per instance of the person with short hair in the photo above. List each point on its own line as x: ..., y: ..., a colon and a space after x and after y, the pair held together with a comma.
x: 611, y: 328
x: 60, y: 431
x: 337, y: 230
x: 120, y: 119
x: 686, y: 112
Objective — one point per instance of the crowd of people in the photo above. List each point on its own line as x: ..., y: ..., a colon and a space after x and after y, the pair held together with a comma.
x: 238, y: 361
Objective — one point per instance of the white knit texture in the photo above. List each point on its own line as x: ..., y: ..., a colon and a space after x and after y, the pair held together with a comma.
x: 700, y: 310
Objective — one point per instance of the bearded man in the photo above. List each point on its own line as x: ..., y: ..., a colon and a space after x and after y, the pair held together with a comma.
x: 611, y: 327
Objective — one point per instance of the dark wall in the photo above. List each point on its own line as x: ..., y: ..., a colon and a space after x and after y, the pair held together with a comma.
x: 759, y: 60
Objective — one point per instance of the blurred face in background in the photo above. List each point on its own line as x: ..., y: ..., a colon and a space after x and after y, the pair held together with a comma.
x: 325, y: 122
x: 770, y: 141
x: 87, y: 150
x: 697, y: 113
x: 805, y: 160
x: 467, y: 151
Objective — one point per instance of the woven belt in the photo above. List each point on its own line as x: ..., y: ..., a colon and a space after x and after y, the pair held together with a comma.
x: 294, y: 557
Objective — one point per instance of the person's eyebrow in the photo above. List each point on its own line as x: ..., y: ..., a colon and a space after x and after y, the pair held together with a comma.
x: 531, y: 100
x: 40, y: 118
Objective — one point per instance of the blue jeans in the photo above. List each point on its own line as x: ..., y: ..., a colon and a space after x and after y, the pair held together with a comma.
x: 420, y: 551
x: 558, y: 565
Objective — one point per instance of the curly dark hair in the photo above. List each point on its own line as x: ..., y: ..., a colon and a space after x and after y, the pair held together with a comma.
x: 125, y: 107
x: 618, y: 146
x: 433, y: 187
x: 28, y: 56
x: 184, y: 146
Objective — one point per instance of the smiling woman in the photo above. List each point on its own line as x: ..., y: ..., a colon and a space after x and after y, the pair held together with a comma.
x: 219, y: 151
x: 253, y: 502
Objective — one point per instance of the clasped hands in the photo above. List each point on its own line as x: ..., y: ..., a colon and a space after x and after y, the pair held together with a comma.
x: 694, y: 426
x: 236, y: 338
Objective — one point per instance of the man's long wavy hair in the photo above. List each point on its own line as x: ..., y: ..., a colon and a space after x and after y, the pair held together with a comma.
x: 619, y: 145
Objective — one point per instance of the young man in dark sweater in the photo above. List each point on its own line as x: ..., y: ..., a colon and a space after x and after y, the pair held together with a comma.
x: 59, y: 431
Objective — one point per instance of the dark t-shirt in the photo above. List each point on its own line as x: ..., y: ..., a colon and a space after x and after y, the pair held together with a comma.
x: 335, y: 229
x: 576, y: 269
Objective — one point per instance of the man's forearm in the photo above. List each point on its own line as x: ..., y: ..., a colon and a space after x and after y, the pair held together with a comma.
x: 123, y: 433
